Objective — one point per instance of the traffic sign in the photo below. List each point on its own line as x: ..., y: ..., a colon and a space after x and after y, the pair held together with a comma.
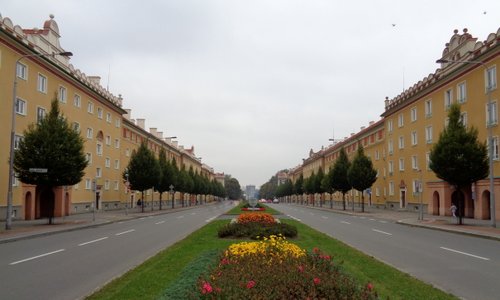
x: 38, y: 170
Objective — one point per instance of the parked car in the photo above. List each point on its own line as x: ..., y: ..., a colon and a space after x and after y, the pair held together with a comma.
x: 276, y: 200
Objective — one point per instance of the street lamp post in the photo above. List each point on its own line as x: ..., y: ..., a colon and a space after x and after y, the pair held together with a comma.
x: 173, y: 195
x: 420, y: 196
x: 8, y: 220
x: 490, y: 134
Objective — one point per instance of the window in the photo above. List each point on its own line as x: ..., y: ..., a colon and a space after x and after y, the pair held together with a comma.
x: 414, y: 138
x: 63, y: 94
x: 377, y: 155
x: 461, y: 92
x: 390, y: 146
x: 117, y: 123
x: 413, y: 114
x: 90, y: 133
x: 463, y: 118
x: 117, y: 143
x: 428, y: 134
x: 414, y: 162
x: 88, y: 184
x: 17, y: 140
x: 88, y: 156
x: 416, y: 186
x: 108, y: 117
x: 401, y: 142
x: 98, y: 172
x: 448, y: 98
x: 493, y: 119
x: 77, y: 101
x: 106, y: 184
x: 389, y: 126
x: 391, y: 188
x: 391, y: 167
x: 495, y: 147
x: 117, y: 164
x: 491, y: 78
x: 40, y: 114
x: 401, y: 164
x: 21, y: 71
x: 20, y: 106
x: 99, y: 149
x: 377, y: 191
x: 127, y: 152
x: 108, y: 162
x: 428, y: 108
x: 90, y: 107
x: 428, y: 160
x: 76, y: 126
x: 116, y: 185
x: 108, y: 140
x: 99, y: 113
x: 401, y: 121
x: 42, y: 84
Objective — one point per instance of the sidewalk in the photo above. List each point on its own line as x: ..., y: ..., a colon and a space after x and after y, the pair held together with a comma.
x: 33, y: 228
x: 30, y: 229
x: 472, y: 227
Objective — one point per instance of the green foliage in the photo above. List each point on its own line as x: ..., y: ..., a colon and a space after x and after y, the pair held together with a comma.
x: 309, y: 184
x: 52, y: 144
x: 299, y: 185
x: 339, y: 180
x: 361, y: 174
x: 233, y: 189
x: 185, y: 286
x: 458, y: 157
x: 318, y: 188
x: 143, y: 169
x: 255, y: 230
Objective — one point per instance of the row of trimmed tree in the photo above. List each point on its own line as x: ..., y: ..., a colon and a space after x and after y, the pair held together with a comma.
x: 145, y: 172
x: 342, y: 177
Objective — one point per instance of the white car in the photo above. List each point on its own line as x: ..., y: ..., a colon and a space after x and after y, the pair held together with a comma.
x: 276, y: 200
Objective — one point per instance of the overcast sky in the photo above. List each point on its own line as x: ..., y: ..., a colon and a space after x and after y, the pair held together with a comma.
x: 254, y: 85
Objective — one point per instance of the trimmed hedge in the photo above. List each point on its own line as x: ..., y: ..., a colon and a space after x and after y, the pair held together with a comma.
x: 254, y: 230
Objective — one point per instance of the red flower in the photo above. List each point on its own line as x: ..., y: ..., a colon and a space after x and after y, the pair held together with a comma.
x: 316, y: 250
x: 250, y: 284
x: 225, y: 261
x: 206, y: 288
x: 369, y: 286
x: 316, y: 280
x: 301, y: 268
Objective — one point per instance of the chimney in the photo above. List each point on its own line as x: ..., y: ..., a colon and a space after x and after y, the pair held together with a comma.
x: 120, y: 99
x: 371, y: 123
x: 152, y: 130
x: 95, y: 79
x: 141, y: 123
x: 362, y: 128
x: 159, y: 135
x: 386, y: 102
x: 128, y: 114
x: 175, y: 143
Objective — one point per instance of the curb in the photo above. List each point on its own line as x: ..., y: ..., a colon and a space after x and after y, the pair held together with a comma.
x: 437, y: 228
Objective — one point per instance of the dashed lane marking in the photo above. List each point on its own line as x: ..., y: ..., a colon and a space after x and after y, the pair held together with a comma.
x: 35, y: 257
x: 464, y: 253
x: 93, y: 241
x: 380, y: 231
x: 124, y: 232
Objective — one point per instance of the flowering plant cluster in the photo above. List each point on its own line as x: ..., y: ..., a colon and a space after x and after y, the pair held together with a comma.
x: 261, y: 218
x: 276, y: 269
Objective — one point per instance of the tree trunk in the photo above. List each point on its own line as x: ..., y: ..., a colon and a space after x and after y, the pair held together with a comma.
x: 160, y: 199
x: 142, y: 201
x: 362, y: 202
x: 343, y: 200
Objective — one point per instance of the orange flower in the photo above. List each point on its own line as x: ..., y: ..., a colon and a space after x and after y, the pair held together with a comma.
x: 256, y: 218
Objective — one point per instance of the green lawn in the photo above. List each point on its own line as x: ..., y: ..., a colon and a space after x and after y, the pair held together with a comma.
x: 149, y: 280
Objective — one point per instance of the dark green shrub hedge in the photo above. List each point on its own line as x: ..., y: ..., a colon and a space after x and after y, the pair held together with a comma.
x: 254, y: 230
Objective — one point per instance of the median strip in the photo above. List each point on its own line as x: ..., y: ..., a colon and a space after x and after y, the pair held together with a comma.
x: 35, y: 257
x: 464, y: 253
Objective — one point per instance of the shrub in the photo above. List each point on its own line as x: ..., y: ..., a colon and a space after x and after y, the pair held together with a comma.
x: 255, y: 230
x: 276, y: 269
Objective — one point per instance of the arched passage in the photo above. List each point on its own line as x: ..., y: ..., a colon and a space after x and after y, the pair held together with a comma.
x: 485, y: 206
x: 28, y: 206
x: 45, y: 203
x: 435, y: 203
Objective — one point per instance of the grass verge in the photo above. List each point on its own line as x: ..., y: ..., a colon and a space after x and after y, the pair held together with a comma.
x: 151, y: 279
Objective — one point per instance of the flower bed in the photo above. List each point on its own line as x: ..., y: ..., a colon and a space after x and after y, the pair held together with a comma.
x: 253, y: 209
x: 273, y: 268
x: 254, y: 225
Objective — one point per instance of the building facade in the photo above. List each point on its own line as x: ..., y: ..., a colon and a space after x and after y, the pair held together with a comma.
x: 29, y: 61
x: 399, y: 145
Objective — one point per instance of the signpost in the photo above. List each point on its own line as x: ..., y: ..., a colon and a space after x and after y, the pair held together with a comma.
x: 38, y: 170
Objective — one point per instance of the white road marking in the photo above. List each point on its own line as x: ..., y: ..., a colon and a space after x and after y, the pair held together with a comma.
x: 324, y: 217
x: 383, y: 222
x: 363, y: 217
x: 157, y: 223
x: 193, y: 214
x: 93, y: 241
x: 372, y: 219
x: 35, y: 257
x: 464, y: 253
x: 345, y: 222
x: 180, y: 217
x: 296, y: 219
x: 142, y: 218
x: 128, y: 231
x: 376, y: 230
x: 209, y: 220
x: 120, y: 222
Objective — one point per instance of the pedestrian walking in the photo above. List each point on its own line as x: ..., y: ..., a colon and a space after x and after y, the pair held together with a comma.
x: 453, y: 209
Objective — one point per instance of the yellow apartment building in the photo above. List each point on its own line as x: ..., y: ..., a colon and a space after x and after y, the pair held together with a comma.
x: 399, y: 145
x: 415, y: 118
x: 26, y: 57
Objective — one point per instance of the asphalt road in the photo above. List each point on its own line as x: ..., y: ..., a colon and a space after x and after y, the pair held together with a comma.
x: 465, y: 266
x: 73, y: 264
